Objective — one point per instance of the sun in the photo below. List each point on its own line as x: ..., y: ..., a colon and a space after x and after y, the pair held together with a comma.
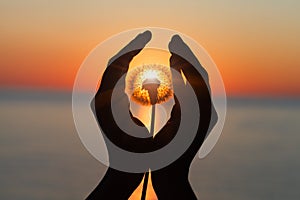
x: 151, y: 72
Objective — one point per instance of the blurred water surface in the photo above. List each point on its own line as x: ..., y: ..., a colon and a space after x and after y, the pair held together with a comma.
x: 41, y: 156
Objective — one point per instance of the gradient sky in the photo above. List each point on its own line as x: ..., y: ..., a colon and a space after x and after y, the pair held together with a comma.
x: 255, y: 44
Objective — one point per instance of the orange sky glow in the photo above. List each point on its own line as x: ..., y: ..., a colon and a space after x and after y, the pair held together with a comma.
x: 255, y: 44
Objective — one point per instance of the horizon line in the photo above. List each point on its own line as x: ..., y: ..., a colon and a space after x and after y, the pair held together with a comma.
x: 69, y: 91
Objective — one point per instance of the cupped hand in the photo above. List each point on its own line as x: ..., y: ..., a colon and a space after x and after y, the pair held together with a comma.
x: 171, y: 182
x: 115, y: 184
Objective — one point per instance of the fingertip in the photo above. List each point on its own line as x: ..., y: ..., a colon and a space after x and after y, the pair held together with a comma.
x: 176, y: 43
x: 143, y: 38
x: 147, y: 34
x: 138, y: 43
x: 133, y: 47
x: 176, y: 38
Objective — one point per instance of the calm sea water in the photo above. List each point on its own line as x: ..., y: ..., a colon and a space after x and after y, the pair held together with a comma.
x: 41, y: 156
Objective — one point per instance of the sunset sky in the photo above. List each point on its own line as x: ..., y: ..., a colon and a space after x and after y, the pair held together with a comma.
x: 255, y: 44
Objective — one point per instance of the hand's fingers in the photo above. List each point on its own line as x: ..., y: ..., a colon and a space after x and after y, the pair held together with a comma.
x: 118, y: 65
x: 184, y: 59
x: 125, y: 55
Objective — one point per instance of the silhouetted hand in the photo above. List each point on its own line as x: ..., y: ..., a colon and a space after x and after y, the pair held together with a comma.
x: 118, y: 184
x: 171, y: 182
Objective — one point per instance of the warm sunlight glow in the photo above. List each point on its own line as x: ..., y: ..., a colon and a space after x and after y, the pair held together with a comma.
x: 183, y: 76
x: 150, y: 74
x: 150, y: 194
x: 136, y: 77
